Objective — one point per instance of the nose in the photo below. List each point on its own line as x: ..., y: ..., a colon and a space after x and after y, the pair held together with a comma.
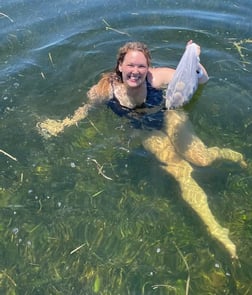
x: 135, y: 69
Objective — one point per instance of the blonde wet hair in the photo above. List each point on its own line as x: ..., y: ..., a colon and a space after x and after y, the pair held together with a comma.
x: 136, y: 46
x: 104, y: 88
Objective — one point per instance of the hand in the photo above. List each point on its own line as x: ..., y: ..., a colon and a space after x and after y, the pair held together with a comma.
x: 50, y: 128
x: 198, y: 47
x: 189, y: 43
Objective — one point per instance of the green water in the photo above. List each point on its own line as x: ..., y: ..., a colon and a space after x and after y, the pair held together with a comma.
x: 65, y: 227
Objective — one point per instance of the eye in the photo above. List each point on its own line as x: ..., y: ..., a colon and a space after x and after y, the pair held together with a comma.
x: 140, y: 66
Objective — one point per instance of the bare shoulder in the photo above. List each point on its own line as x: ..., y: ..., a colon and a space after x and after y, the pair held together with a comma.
x: 102, y: 91
x: 160, y: 77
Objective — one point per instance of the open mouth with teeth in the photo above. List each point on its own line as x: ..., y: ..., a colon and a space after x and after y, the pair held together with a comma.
x: 134, y: 79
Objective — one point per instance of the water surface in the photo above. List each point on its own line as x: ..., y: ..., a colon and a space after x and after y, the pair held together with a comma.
x: 67, y: 229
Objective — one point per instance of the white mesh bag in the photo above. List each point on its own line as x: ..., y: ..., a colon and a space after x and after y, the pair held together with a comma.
x: 185, y: 80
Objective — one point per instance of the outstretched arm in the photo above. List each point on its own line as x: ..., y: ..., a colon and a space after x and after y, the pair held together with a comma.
x: 98, y: 93
x: 51, y: 127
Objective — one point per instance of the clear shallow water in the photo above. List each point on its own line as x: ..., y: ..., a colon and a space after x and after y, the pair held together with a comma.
x: 129, y: 229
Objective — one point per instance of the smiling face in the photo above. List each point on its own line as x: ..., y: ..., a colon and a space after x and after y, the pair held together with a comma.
x: 134, y: 68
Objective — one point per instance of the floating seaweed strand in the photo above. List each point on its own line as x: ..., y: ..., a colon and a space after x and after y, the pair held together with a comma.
x: 8, y: 155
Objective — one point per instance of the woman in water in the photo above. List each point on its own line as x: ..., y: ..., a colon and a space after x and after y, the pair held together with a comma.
x: 133, y: 79
x: 134, y: 86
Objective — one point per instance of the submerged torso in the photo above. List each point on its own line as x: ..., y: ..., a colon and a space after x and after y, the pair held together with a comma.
x: 149, y: 114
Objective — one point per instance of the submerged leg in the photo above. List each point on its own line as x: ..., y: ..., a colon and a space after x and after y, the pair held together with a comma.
x: 200, y: 155
x: 189, y: 146
x: 160, y: 145
x: 197, y: 200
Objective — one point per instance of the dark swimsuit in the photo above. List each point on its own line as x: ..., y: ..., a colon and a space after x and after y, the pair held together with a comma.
x: 144, y: 115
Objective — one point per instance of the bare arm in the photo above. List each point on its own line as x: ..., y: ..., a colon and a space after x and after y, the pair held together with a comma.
x: 161, y: 77
x: 99, y: 93
x: 102, y: 91
x: 50, y: 127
